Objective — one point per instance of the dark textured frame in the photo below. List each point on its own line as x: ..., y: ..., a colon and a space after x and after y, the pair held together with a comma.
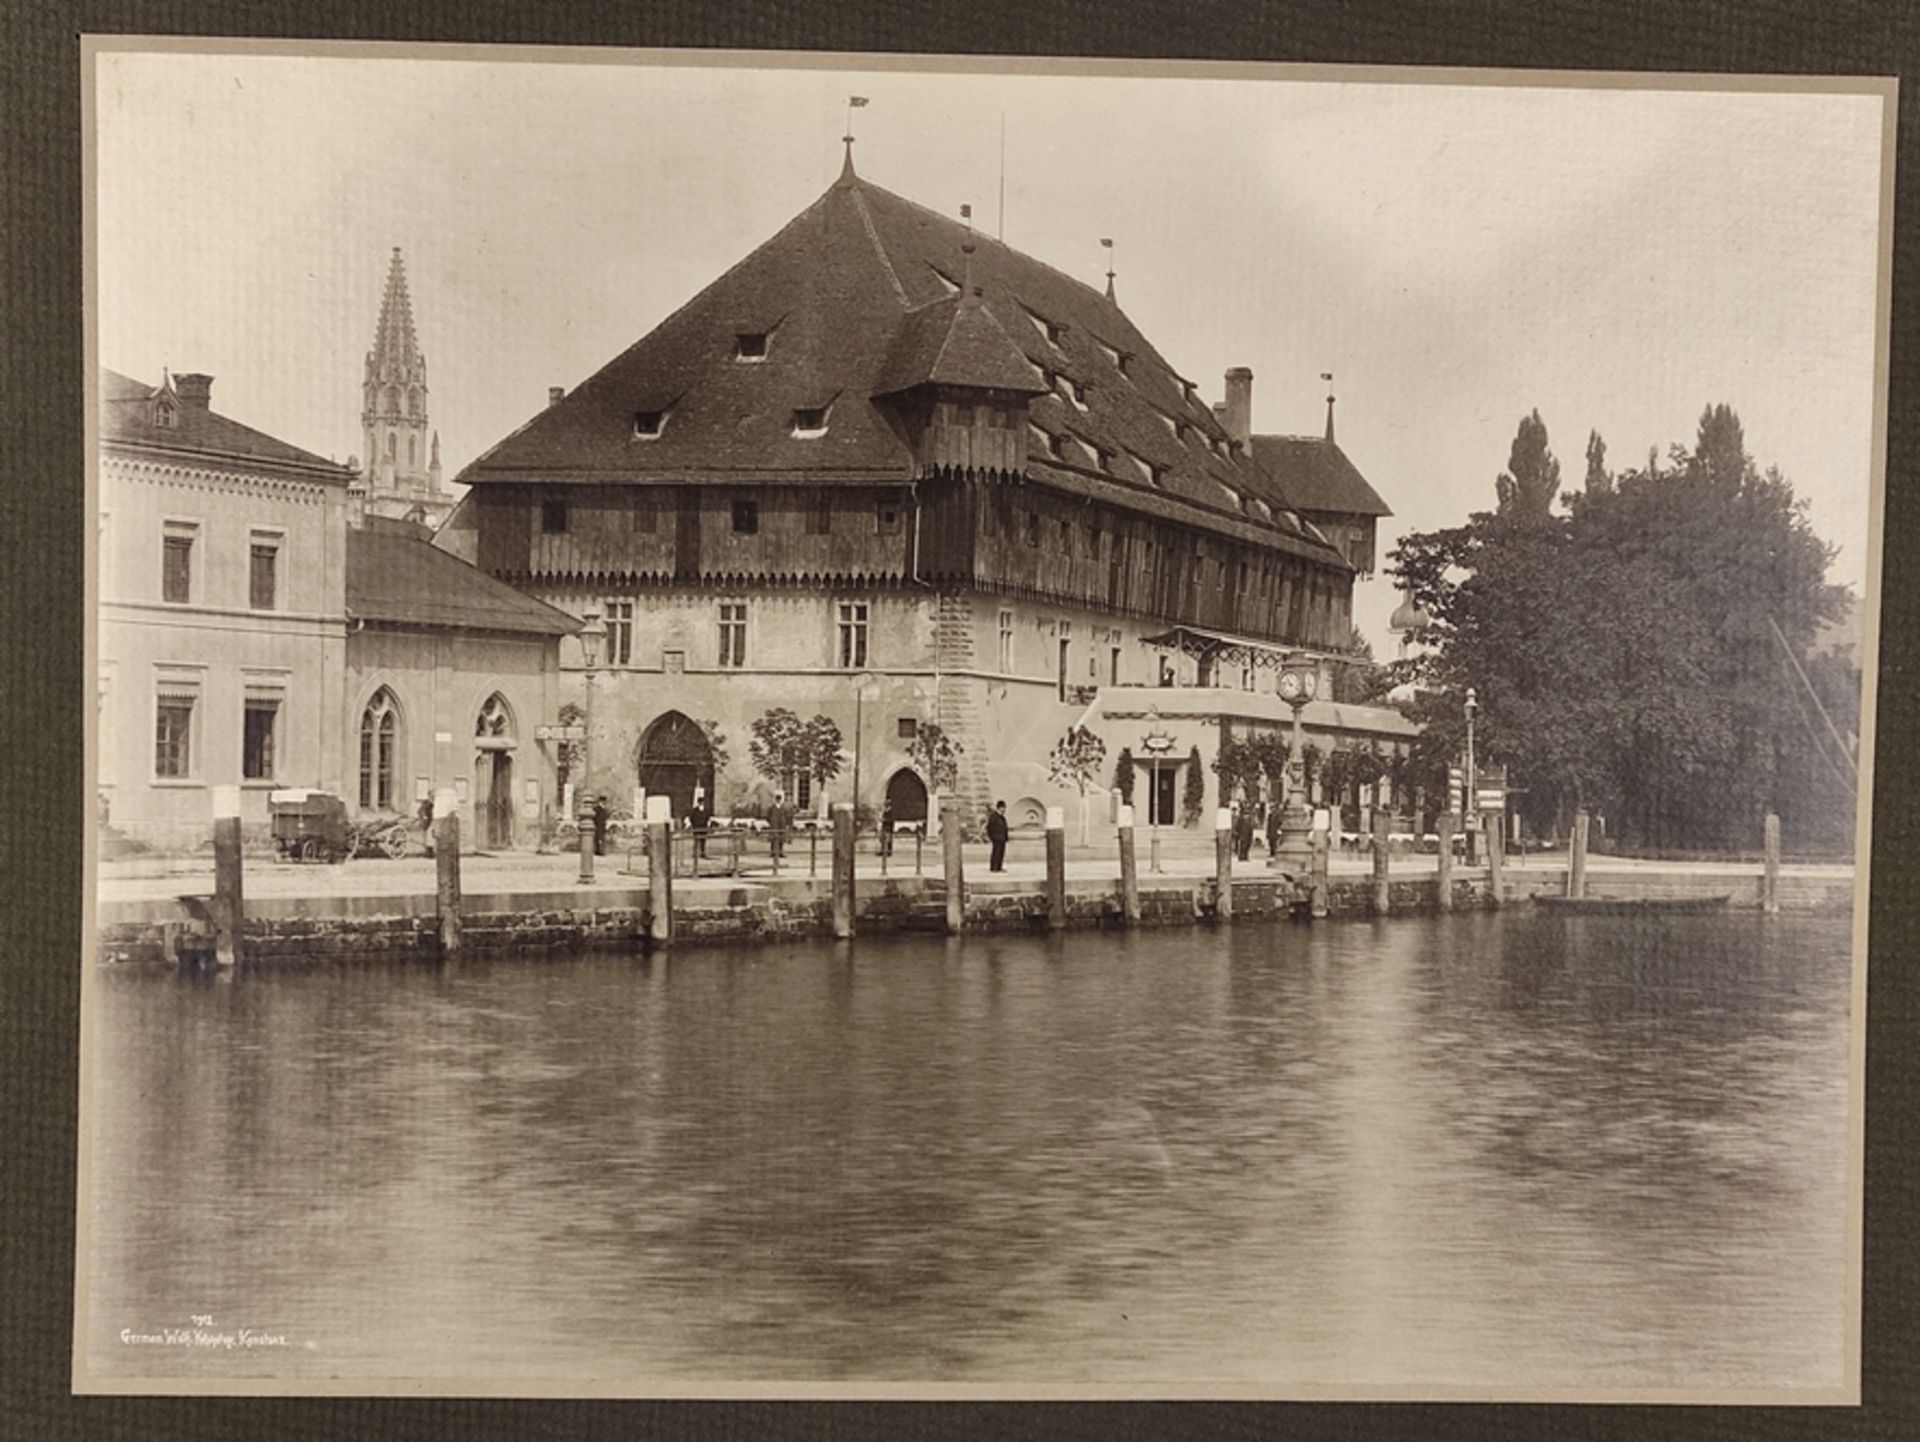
x: 41, y: 772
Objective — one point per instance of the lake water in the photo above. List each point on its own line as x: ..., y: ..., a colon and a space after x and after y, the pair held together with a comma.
x: 1499, y: 1152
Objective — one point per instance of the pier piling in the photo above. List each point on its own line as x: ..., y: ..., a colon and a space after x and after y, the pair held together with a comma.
x: 660, y: 870
x: 1770, y: 874
x: 229, y: 910
x: 1223, y: 864
x: 1382, y: 885
x: 842, y: 880
x: 446, y: 870
x: 953, y: 866
x: 1056, y: 868
x: 1318, y: 873
x: 1496, y: 855
x: 1129, y: 870
x: 1577, y: 857
x: 1444, y: 892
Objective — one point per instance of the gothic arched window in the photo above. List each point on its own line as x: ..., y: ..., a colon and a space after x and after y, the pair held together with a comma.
x: 413, y: 403
x: 393, y: 401
x: 494, y: 718
x: 390, y: 445
x: 412, y: 452
x: 379, y: 740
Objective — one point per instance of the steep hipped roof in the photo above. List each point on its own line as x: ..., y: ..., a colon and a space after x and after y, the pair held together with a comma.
x: 395, y: 573
x: 857, y: 297
x: 128, y: 417
x: 1316, y: 476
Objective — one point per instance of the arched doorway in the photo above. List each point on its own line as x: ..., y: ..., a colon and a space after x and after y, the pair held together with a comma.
x: 907, y: 795
x: 493, y: 741
x: 379, y: 746
x: 675, y: 761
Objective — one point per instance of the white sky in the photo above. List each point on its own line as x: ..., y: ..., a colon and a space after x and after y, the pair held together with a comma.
x: 1457, y: 255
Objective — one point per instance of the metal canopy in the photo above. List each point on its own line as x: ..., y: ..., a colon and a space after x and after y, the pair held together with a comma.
x: 1222, y: 648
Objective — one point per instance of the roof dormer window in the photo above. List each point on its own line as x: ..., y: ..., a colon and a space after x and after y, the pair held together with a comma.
x: 1072, y: 391
x: 809, y: 422
x: 952, y: 285
x: 165, y: 414
x: 1103, y: 458
x: 647, y: 425
x: 750, y: 345
x: 1052, y: 330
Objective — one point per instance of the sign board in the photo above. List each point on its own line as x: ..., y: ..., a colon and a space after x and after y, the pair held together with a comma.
x: 559, y: 733
x: 1491, y: 798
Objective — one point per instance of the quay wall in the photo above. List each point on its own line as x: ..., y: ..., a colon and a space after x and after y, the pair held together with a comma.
x: 722, y: 913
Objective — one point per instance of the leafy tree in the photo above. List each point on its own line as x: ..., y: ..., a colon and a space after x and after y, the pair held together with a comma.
x: 1599, y: 478
x: 1237, y: 765
x: 1624, y: 653
x: 820, y: 749
x: 1358, y: 680
x: 1527, y: 487
x: 1123, y: 775
x: 936, y: 754
x: 777, y: 746
x: 1194, y: 795
x: 1076, y: 761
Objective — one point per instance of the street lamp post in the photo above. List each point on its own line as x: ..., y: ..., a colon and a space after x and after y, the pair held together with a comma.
x: 1298, y: 684
x: 1472, y: 808
x: 592, y: 633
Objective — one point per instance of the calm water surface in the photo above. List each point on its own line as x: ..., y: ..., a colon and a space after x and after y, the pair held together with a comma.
x: 1500, y: 1152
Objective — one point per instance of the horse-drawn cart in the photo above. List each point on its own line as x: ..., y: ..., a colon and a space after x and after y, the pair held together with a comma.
x: 310, y: 825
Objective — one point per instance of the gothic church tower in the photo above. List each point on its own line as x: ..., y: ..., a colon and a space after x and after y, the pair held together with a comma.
x: 402, y: 468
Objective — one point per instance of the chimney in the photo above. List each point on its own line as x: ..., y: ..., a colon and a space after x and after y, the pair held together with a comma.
x: 193, y: 390
x: 356, y: 497
x: 556, y: 394
x: 1238, y: 417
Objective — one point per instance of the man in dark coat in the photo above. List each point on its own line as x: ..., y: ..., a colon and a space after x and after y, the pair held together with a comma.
x: 778, y: 820
x: 997, y: 837
x: 886, y: 828
x: 1242, y: 830
x: 697, y: 821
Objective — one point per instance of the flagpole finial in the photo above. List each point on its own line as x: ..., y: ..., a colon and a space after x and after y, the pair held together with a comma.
x: 854, y: 102
x: 1106, y: 244
x: 1327, y: 376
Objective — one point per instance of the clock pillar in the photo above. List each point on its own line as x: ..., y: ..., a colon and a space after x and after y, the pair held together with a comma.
x: 1299, y: 681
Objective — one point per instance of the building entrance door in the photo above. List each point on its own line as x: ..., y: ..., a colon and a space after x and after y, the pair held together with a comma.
x: 1164, y: 778
x: 500, y: 801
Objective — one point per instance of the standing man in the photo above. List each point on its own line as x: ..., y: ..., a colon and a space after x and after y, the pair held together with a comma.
x: 697, y: 820
x: 886, y: 828
x: 777, y: 823
x: 1242, y: 829
x: 997, y: 837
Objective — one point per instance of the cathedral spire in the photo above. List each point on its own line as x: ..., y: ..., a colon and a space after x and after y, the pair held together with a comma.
x: 402, y: 472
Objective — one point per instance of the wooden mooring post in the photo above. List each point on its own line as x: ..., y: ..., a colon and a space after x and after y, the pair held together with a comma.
x: 1056, y: 868
x: 446, y: 870
x: 1444, y: 894
x: 1770, y: 870
x: 953, y: 865
x: 1496, y: 855
x: 1577, y: 856
x: 842, y: 879
x: 1317, y: 872
x: 1129, y: 869
x: 1223, y: 864
x: 660, y: 870
x: 1382, y: 884
x: 229, y: 911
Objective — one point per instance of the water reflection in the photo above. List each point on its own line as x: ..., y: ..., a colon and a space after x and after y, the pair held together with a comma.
x: 1467, y: 1151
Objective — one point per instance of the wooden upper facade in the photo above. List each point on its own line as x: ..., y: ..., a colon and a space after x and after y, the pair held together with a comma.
x: 877, y: 396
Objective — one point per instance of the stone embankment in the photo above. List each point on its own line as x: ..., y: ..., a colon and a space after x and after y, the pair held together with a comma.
x: 720, y: 911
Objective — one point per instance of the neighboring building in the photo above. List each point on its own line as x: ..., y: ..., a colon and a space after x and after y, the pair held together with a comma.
x: 222, y: 632
x: 450, y: 676
x: 402, y: 466
x: 885, y: 458
x: 255, y: 630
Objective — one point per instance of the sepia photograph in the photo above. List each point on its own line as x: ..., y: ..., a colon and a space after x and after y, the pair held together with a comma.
x: 830, y: 725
